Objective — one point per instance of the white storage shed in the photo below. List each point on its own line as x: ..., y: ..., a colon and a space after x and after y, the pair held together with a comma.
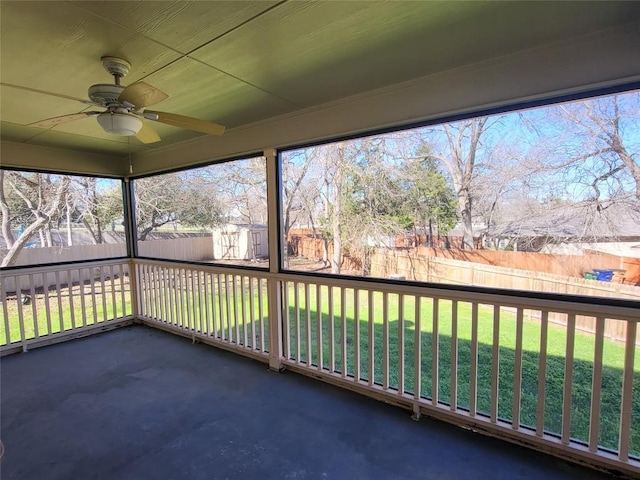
x: 240, y: 242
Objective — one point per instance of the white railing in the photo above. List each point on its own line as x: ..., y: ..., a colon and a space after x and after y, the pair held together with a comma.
x: 223, y: 306
x: 494, y: 363
x: 41, y: 305
x: 491, y: 362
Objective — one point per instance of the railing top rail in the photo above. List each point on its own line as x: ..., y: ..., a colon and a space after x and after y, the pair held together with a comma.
x: 53, y: 267
x: 213, y: 268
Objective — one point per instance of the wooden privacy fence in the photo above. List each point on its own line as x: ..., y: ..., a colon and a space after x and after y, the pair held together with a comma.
x: 300, y: 246
x: 444, y: 270
x: 567, y: 265
x: 412, y: 266
x: 458, y: 267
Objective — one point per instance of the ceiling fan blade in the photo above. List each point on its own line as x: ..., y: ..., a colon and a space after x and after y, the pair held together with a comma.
x: 43, y: 92
x: 189, y: 123
x: 52, y: 122
x: 93, y: 104
x: 147, y: 134
x: 142, y: 94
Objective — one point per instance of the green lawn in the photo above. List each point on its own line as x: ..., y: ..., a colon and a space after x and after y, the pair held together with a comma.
x: 188, y: 306
x: 58, y: 316
x: 194, y: 314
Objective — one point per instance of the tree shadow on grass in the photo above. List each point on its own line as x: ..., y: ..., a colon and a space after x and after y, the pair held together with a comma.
x: 611, y: 389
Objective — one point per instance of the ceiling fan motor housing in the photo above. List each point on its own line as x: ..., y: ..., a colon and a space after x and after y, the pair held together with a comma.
x: 105, y: 94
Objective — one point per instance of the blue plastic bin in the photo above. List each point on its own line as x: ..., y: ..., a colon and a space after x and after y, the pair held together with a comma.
x: 603, y: 275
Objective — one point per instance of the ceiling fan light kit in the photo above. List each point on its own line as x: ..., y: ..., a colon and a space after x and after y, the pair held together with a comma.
x: 125, y: 107
x: 117, y: 123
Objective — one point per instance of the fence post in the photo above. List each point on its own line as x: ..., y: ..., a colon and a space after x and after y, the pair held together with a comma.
x: 275, y: 252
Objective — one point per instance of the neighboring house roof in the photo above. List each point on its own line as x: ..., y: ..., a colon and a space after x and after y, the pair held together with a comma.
x: 458, y: 230
x: 584, y: 221
x: 241, y: 226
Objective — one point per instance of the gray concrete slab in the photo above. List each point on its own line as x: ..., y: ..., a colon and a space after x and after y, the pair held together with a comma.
x: 138, y: 403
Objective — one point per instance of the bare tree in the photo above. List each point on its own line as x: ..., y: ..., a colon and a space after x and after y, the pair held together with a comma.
x: 459, y: 156
x: 155, y: 202
x: 607, y: 143
x: 505, y: 175
x: 571, y: 173
x: 87, y: 203
x: 363, y: 198
x: 190, y: 198
x: 296, y: 167
x: 337, y: 178
x: 43, y: 196
x: 242, y: 189
x: 314, y: 180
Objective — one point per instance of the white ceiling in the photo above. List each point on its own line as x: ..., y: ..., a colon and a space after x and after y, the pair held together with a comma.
x: 238, y: 63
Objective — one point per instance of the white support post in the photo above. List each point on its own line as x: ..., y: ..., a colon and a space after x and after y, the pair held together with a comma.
x: 627, y: 392
x: 273, y: 285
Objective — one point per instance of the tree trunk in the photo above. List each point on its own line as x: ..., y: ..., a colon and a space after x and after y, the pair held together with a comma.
x: 252, y: 251
x: 416, y: 235
x: 430, y: 233
x: 367, y: 254
x: 94, y: 212
x: 336, y: 262
x: 99, y: 238
x: 6, y: 215
x: 143, y: 234
x: 87, y: 225
x: 464, y: 206
x: 47, y: 235
x: 69, y: 236
x: 325, y: 252
x: 12, y: 255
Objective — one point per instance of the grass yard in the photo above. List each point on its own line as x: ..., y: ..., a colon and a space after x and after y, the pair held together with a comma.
x: 53, y: 312
x: 189, y: 306
x: 207, y: 308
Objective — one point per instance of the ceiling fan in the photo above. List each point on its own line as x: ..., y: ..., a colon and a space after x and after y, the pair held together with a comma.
x: 126, y: 108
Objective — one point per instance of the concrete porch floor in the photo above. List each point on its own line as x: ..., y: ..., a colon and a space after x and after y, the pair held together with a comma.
x: 139, y: 403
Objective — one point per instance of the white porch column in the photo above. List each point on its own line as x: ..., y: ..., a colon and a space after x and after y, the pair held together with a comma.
x: 274, y: 287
